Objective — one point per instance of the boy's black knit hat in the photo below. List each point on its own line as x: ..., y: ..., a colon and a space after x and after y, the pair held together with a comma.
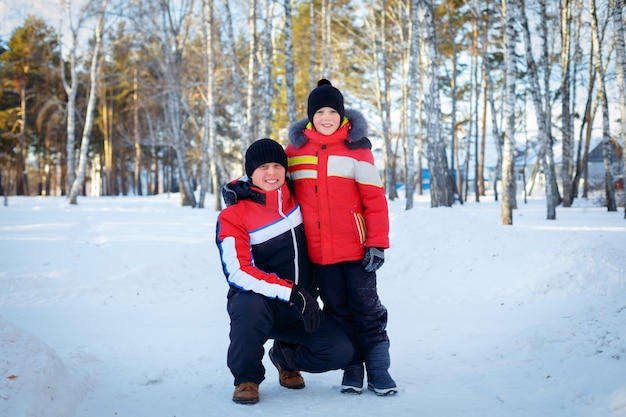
x: 325, y: 95
x: 262, y: 152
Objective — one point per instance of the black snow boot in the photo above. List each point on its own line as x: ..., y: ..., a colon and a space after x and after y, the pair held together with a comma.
x: 377, y: 363
x: 352, y: 382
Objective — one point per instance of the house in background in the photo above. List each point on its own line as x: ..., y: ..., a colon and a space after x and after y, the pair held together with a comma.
x: 530, y: 175
x: 595, y: 165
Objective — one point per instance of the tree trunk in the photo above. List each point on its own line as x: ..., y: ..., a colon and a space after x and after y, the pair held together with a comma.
x: 71, y: 89
x: 496, y: 132
x: 21, y: 179
x: 289, y: 72
x: 265, y: 80
x: 107, y: 152
x: 541, y: 112
x: 441, y: 188
x: 312, y: 73
x: 620, y: 46
x: 483, y: 131
x: 326, y: 69
x: 250, y: 108
x: 413, y: 86
x: 238, y: 87
x: 566, y: 117
x: 585, y: 134
x: 455, y: 162
x: 173, y: 42
x: 91, y: 105
x: 388, y: 155
x: 137, y: 145
x: 609, y: 186
x: 508, y: 172
x: 208, y: 117
x: 552, y: 190
x: 474, y: 118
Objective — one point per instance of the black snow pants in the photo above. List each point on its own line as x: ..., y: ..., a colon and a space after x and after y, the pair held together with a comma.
x: 254, y: 319
x: 350, y: 296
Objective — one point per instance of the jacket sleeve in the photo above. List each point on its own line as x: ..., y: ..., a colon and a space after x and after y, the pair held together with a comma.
x: 373, y: 200
x: 233, y: 242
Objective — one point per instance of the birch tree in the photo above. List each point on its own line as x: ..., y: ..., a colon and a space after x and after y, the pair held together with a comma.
x: 71, y: 85
x: 542, y: 109
x: 327, y: 39
x: 585, y: 131
x: 609, y: 186
x: 136, y: 138
x: 289, y: 71
x: 441, y: 189
x: 237, y: 77
x: 91, y: 105
x: 620, y: 46
x: 476, y: 92
x: 413, y: 86
x: 173, y: 34
x: 552, y: 189
x: 251, y: 86
x: 452, y: 29
x: 264, y: 99
x: 496, y: 131
x: 313, y: 43
x: 508, y: 173
x: 484, y: 41
x: 382, y: 75
x: 209, y: 142
x: 566, y: 117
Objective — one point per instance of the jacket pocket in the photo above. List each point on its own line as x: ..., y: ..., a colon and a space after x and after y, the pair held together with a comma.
x: 361, y: 230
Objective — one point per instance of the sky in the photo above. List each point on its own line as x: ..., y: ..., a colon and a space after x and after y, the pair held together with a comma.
x: 13, y: 13
x: 116, y: 307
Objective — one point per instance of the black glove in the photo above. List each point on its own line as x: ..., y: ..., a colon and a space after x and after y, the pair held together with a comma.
x: 307, y: 307
x: 373, y: 259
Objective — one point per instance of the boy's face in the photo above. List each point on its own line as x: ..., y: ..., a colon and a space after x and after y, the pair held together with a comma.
x: 270, y: 176
x: 326, y: 120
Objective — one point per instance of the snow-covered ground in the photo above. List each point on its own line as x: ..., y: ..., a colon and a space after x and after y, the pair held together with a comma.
x: 116, y: 307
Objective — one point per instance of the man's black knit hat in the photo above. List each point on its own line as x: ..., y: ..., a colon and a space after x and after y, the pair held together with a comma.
x: 262, y: 152
x: 325, y: 95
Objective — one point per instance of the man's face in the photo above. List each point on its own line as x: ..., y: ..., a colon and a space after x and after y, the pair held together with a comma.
x: 270, y: 176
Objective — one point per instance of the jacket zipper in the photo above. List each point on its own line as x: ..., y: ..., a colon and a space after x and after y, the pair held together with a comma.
x: 296, y: 263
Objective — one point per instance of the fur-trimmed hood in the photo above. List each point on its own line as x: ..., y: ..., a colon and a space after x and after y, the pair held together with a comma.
x: 357, y: 136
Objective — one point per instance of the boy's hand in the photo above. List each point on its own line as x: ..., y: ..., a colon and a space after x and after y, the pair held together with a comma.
x: 229, y: 194
x: 240, y: 190
x: 373, y: 259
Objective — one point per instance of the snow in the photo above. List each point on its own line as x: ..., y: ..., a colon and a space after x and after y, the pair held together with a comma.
x: 116, y: 307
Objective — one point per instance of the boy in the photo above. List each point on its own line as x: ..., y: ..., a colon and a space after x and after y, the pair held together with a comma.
x: 346, y: 224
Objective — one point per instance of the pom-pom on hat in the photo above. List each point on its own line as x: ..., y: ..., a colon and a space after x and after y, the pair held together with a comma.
x: 262, y: 152
x: 325, y: 95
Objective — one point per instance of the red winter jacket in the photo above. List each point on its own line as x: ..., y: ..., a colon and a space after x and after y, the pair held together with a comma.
x: 262, y: 244
x: 339, y: 189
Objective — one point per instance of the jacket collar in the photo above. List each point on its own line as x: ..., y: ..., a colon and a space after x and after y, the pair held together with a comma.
x: 356, y: 131
x: 273, y: 199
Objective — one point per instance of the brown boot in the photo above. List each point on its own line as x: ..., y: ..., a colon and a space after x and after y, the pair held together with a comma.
x: 246, y: 393
x: 288, y: 379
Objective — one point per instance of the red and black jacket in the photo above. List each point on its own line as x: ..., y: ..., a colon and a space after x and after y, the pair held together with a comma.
x: 262, y: 244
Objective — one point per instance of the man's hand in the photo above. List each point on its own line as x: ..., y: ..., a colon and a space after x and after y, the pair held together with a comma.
x: 307, y: 307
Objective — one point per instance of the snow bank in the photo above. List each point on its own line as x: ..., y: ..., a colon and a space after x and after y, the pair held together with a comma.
x: 34, y: 380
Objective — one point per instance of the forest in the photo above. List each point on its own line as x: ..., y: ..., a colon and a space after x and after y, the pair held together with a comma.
x: 463, y: 97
